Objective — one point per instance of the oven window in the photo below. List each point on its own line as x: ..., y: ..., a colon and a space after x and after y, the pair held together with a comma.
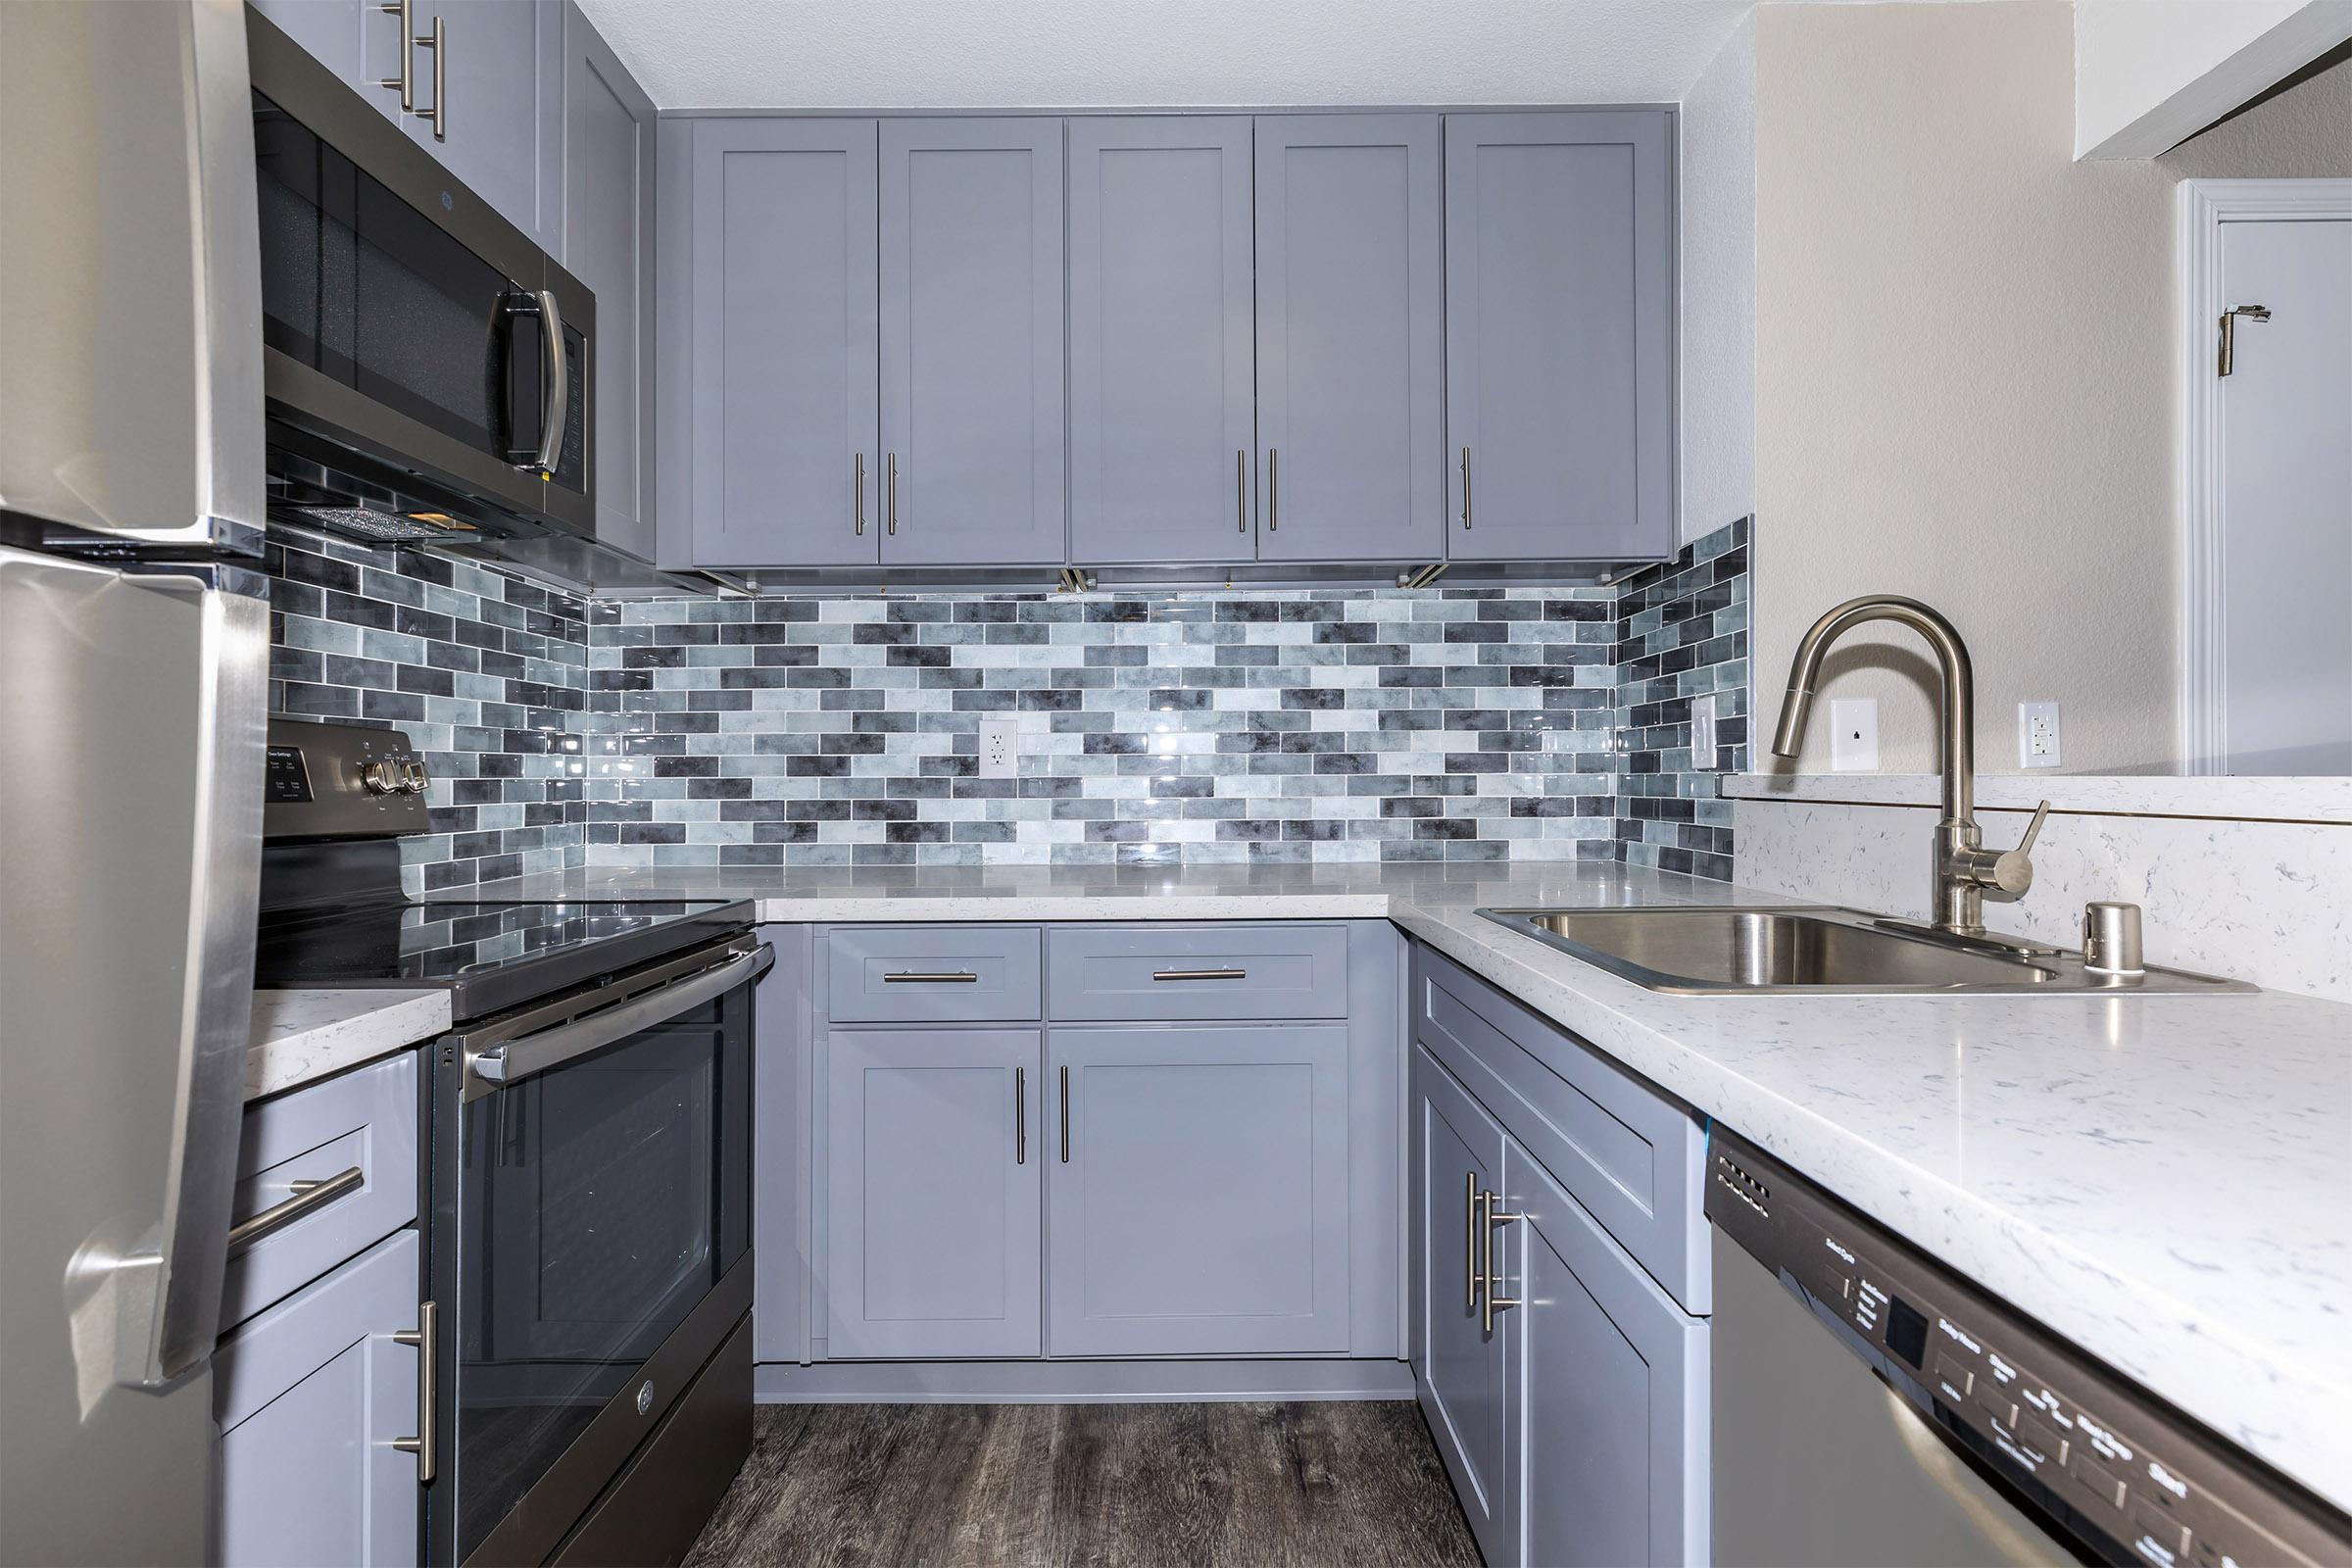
x: 599, y: 1202
x: 363, y: 288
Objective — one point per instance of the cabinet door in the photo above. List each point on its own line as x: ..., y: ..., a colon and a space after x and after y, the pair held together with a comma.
x: 608, y: 245
x: 1459, y: 1367
x: 1608, y: 1388
x: 1162, y: 389
x: 784, y: 343
x: 503, y: 124
x: 972, y: 403
x: 1199, y: 1192
x: 309, y: 1397
x: 338, y: 33
x: 934, y: 1151
x: 1350, y: 384
x: 1559, y: 334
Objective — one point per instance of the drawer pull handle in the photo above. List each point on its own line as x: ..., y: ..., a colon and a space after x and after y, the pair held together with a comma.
x: 1200, y: 974
x: 909, y: 977
x: 309, y: 1197
x: 427, y: 1337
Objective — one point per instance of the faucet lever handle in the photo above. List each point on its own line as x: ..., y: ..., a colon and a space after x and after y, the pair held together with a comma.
x: 2025, y: 844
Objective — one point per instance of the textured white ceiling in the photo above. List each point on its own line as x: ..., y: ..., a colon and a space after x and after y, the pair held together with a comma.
x: 981, y: 54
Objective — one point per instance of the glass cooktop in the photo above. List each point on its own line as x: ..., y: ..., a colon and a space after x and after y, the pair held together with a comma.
x: 490, y: 954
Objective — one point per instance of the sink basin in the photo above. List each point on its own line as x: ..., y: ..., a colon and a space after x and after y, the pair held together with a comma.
x: 1823, y: 950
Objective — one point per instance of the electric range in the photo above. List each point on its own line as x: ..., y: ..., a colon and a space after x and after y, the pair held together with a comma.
x: 587, y: 1129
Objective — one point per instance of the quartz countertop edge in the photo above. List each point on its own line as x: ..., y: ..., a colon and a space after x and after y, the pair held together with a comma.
x: 2152, y: 1178
x: 302, y: 1036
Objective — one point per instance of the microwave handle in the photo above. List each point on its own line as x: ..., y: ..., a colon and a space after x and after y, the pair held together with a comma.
x: 501, y: 1066
x: 559, y: 378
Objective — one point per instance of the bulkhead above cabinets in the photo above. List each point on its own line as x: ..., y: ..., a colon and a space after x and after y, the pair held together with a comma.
x: 1293, y: 347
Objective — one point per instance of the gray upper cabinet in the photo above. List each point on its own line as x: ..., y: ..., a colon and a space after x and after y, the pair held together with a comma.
x: 1350, y: 389
x: 503, y: 121
x: 1559, y: 335
x: 935, y: 1152
x: 783, y: 323
x: 1198, y: 1193
x: 1162, y: 389
x: 608, y: 245
x: 972, y: 367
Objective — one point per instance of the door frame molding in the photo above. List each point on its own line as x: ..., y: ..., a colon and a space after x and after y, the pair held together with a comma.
x: 2204, y: 206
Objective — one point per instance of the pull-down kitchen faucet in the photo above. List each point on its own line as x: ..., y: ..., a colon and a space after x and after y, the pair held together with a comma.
x: 1963, y: 868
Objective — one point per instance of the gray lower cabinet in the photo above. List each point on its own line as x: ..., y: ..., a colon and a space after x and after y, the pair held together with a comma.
x: 608, y: 244
x: 1163, y: 373
x: 1559, y: 335
x: 782, y: 426
x: 1197, y: 1197
x: 1457, y: 1154
x: 310, y: 1396
x: 1350, y: 301
x: 935, y: 1155
x: 972, y: 361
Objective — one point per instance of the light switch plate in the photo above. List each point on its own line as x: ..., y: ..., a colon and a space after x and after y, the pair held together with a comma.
x: 999, y: 748
x: 2037, y: 735
x: 1854, y: 734
x: 1702, y: 731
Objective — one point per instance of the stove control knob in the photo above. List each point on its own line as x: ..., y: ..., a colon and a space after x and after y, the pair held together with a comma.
x: 382, y: 778
x: 414, y: 778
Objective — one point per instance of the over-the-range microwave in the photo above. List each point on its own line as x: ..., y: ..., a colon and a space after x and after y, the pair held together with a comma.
x: 426, y: 367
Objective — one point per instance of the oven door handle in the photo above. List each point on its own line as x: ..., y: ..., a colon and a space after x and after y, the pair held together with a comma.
x: 500, y: 1066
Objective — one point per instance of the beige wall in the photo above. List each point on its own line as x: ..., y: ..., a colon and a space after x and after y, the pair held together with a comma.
x: 1965, y: 367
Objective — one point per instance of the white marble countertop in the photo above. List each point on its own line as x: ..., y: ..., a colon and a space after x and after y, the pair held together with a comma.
x: 2156, y: 1178
x: 303, y: 1035
x: 2231, y: 799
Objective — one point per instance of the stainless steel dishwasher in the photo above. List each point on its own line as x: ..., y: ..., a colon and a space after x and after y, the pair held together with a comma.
x: 1873, y: 1408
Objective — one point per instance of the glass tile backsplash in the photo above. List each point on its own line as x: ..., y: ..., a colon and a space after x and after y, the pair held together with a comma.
x: 1361, y: 724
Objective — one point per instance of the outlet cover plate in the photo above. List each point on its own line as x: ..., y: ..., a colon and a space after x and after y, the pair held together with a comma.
x: 1854, y: 734
x: 1702, y: 731
x: 2037, y: 735
x: 999, y: 748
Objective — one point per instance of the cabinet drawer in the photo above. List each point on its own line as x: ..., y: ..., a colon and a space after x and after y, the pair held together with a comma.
x: 933, y: 974
x: 1111, y: 974
x: 363, y: 1121
x: 1632, y: 1156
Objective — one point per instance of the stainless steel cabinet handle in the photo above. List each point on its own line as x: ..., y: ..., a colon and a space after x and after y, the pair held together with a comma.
x: 1020, y: 1115
x: 405, y: 82
x: 1471, y: 1228
x: 1241, y: 490
x: 439, y: 113
x: 1273, y: 490
x: 559, y: 373
x: 908, y: 976
x: 1200, y: 974
x: 1065, y: 1113
x: 1465, y: 489
x: 309, y: 1197
x: 858, y: 489
x: 891, y: 507
x: 427, y: 1337
x: 1496, y: 1300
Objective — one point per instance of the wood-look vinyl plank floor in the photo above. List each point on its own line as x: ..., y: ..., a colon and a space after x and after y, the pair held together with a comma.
x: 1316, y: 1485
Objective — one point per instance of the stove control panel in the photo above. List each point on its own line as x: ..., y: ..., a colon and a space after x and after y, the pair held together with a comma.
x: 2105, y: 1461
x: 333, y: 780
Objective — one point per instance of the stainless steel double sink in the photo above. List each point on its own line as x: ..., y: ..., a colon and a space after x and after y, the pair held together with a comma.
x: 1821, y: 950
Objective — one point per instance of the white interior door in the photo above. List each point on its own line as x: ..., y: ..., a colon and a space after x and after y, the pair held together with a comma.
x: 2285, y: 535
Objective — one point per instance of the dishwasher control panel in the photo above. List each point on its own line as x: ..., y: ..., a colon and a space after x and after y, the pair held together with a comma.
x: 2093, y: 1453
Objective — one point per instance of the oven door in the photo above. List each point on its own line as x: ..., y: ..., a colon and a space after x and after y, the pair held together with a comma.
x: 598, y: 1236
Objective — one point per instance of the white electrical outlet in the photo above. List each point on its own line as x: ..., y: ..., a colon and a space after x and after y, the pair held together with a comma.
x: 1854, y: 734
x: 999, y: 748
x: 2037, y: 735
x: 1702, y: 731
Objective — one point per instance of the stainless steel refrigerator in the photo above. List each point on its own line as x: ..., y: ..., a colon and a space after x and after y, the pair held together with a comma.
x: 133, y: 670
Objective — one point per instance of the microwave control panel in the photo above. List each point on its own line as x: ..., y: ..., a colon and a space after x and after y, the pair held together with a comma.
x: 2131, y: 1481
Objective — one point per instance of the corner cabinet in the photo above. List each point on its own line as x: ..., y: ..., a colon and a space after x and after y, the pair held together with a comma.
x: 1318, y: 346
x: 1565, y: 1384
